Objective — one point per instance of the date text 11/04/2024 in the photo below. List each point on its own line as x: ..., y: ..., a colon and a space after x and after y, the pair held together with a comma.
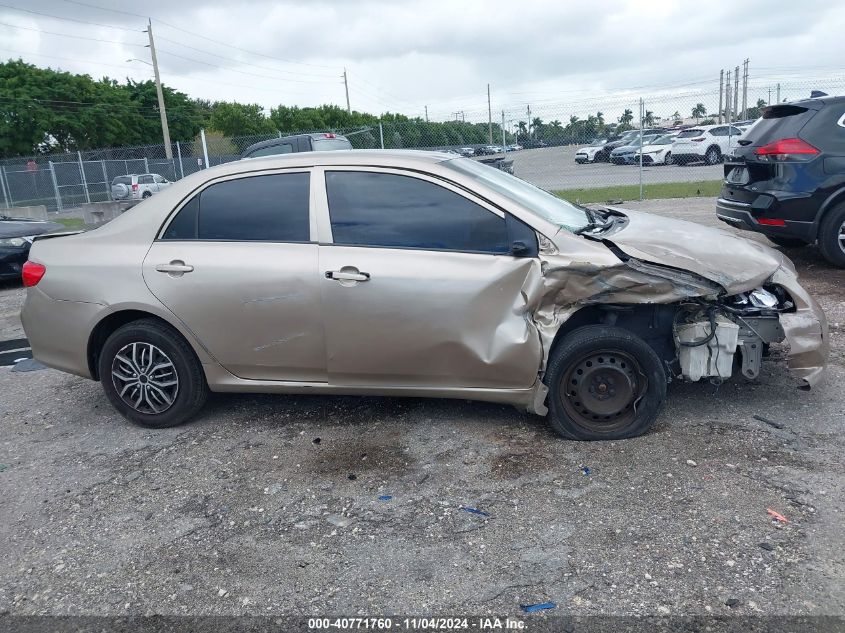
x: 486, y: 623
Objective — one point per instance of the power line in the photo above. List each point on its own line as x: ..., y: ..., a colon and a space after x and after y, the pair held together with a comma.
x: 76, y: 37
x: 204, y: 37
x: 68, y: 59
x: 58, y: 17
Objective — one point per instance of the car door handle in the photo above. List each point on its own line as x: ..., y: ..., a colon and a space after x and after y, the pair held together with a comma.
x: 176, y: 267
x: 347, y: 275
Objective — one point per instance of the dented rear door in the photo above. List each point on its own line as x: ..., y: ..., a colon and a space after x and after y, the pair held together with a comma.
x: 238, y: 266
x: 418, y: 287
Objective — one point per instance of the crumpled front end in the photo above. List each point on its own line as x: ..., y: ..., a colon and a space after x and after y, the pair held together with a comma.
x: 805, y: 330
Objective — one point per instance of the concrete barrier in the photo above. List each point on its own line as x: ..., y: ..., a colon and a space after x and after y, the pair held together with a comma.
x: 95, y: 213
x: 38, y: 212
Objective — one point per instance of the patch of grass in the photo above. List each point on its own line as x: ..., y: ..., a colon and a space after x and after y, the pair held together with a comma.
x: 651, y: 191
x: 71, y: 223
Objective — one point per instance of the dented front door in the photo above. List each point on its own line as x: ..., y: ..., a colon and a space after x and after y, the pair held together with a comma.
x: 427, y: 319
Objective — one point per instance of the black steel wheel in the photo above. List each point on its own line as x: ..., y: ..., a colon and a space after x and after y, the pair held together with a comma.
x: 605, y: 383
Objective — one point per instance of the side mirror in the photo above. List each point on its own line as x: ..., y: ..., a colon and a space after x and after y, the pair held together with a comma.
x: 519, y: 249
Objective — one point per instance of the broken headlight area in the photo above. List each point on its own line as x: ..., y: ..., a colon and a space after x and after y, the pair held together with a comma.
x: 712, y: 338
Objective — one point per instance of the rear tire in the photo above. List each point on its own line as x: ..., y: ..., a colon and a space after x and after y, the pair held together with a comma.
x: 151, y: 375
x: 605, y: 383
x: 668, y: 160
x: 713, y: 156
x: 786, y: 242
x: 832, y: 236
x: 146, y: 194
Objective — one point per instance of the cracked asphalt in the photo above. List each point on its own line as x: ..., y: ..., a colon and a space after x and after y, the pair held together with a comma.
x: 334, y: 505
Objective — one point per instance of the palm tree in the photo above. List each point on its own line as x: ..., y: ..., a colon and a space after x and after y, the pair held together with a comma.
x: 627, y: 117
x: 699, y: 111
x: 556, y: 125
x: 522, y: 129
x: 537, y: 124
x: 648, y: 119
x: 600, y: 118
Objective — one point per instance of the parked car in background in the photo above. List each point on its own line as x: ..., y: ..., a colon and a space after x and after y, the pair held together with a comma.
x: 515, y: 147
x: 707, y: 143
x: 626, y: 138
x: 625, y: 154
x: 319, y: 142
x: 414, y: 274
x: 137, y: 186
x: 786, y: 178
x: 16, y: 236
x: 657, y: 152
x: 588, y: 154
x: 488, y: 150
x: 467, y: 151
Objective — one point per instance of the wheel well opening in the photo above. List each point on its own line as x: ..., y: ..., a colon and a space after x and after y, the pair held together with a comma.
x: 105, y: 328
x: 651, y: 322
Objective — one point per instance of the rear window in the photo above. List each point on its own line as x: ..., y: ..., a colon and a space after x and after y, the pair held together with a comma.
x: 272, y: 150
x: 779, y: 121
x: 327, y: 144
x: 122, y: 180
x: 690, y: 133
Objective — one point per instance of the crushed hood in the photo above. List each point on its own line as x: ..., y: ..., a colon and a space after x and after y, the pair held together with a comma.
x: 735, y: 263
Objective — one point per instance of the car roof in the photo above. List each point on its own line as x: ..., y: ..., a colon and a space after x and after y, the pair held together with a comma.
x: 366, y: 157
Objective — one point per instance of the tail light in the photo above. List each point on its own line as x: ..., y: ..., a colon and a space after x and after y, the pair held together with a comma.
x: 32, y: 272
x: 787, y: 150
x: 135, y: 187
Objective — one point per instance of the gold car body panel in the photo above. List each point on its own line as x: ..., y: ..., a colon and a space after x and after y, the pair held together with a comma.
x: 484, y: 331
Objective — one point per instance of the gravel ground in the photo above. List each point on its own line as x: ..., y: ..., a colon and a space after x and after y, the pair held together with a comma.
x: 278, y: 505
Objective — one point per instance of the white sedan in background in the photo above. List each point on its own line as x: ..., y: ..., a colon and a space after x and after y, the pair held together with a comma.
x: 591, y: 153
x: 658, y: 151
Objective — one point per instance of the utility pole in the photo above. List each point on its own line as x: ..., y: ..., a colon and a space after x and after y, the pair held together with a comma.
x: 777, y: 98
x: 745, y: 89
x: 165, y: 131
x: 721, y: 88
x: 504, y: 139
x: 728, y: 97
x: 489, y: 118
x: 346, y: 86
x: 426, y: 114
x: 769, y: 102
x: 736, y: 92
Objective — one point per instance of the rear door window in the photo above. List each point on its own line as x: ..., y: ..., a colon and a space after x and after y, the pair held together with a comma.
x: 145, y: 180
x: 390, y: 210
x: 271, y: 208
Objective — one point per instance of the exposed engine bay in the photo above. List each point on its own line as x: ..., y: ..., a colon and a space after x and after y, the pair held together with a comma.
x: 709, y: 335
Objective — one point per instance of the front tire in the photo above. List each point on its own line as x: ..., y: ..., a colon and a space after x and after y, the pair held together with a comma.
x: 832, y: 236
x: 605, y: 383
x: 151, y: 375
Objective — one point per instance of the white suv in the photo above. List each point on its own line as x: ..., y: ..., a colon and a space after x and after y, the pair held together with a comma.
x: 708, y: 143
x: 137, y: 186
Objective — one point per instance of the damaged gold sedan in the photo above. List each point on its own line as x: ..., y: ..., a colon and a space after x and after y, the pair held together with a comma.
x: 408, y: 274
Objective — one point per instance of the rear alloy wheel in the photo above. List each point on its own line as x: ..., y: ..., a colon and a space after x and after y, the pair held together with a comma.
x: 605, y: 383
x: 832, y: 236
x: 151, y: 375
x: 713, y: 156
x: 668, y: 160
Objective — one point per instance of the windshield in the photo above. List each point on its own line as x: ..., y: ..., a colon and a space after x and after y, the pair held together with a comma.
x: 541, y: 203
x: 598, y: 142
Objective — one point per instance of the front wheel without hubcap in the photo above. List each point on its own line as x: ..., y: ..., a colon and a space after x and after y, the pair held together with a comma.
x: 605, y: 383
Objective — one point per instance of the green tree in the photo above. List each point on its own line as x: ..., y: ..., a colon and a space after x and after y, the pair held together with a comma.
x: 648, y: 118
x: 699, y: 111
x: 239, y: 119
x: 626, y: 118
x: 756, y: 111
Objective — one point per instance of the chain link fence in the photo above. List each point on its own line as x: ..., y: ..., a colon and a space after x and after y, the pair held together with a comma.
x: 554, y: 144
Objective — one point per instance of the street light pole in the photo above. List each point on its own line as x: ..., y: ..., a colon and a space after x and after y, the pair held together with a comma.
x: 168, y: 151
